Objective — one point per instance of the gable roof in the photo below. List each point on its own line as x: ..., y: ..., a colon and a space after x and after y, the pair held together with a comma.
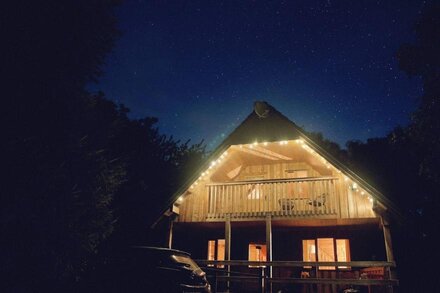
x: 266, y: 124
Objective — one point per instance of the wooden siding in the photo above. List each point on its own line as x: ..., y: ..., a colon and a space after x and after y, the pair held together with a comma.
x: 264, y: 189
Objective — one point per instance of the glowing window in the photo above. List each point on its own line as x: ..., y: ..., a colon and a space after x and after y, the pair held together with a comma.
x: 323, y: 249
x: 309, y: 251
x: 343, y: 251
x: 216, y: 250
x: 257, y: 252
x: 326, y: 252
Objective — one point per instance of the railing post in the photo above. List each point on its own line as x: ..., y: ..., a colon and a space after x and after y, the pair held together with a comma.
x: 228, y: 247
x: 269, y: 247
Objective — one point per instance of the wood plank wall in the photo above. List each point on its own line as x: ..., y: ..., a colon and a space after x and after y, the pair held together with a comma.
x: 349, y: 203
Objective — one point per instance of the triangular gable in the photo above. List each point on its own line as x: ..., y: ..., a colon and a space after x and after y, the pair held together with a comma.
x: 266, y: 124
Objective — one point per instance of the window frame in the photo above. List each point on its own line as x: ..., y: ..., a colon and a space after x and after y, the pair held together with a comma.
x: 336, y: 256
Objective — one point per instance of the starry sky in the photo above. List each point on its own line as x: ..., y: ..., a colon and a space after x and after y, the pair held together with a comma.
x: 329, y: 66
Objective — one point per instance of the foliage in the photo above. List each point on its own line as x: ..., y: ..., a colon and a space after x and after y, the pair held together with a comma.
x: 405, y: 163
x: 77, y: 169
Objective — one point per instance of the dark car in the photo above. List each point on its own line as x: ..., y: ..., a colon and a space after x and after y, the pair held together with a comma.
x: 150, y: 269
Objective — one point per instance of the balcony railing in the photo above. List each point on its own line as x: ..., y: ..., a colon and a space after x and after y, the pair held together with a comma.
x: 283, y: 198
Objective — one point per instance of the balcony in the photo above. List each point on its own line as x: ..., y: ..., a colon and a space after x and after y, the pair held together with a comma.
x: 284, y: 198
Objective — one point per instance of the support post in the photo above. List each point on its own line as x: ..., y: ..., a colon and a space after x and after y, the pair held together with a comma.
x: 228, y: 246
x: 387, y: 238
x: 388, y: 248
x: 170, y: 232
x: 269, y: 249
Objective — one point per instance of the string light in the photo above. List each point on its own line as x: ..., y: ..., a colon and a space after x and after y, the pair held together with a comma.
x: 354, y: 185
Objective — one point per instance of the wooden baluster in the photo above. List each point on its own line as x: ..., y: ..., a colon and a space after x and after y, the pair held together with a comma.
x: 328, y: 203
x: 223, y: 201
x: 300, y: 200
x: 312, y: 209
x: 304, y: 198
x: 255, y: 199
x: 277, y: 198
x: 318, y: 196
x: 309, y: 208
x: 268, y: 198
x: 264, y: 197
x: 210, y: 201
x: 216, y: 192
x: 248, y: 194
x: 326, y: 198
x: 294, y: 197
x: 246, y: 199
x: 280, y: 198
x: 331, y: 196
x: 220, y: 192
x: 243, y: 201
x: 226, y: 200
x: 260, y: 199
x: 283, y: 196
x: 285, y: 189
x: 322, y: 185
x: 238, y: 201
x: 323, y: 195
x: 233, y: 199
x: 335, y: 198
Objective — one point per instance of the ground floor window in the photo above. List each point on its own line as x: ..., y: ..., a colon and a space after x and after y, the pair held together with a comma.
x: 257, y: 252
x: 216, y: 250
x: 326, y: 249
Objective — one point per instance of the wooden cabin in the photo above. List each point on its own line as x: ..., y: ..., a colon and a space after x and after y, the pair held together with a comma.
x: 271, y: 202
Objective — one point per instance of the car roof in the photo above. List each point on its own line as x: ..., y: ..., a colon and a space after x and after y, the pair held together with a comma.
x: 160, y: 250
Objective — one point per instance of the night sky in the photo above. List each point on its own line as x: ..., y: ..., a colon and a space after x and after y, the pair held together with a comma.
x: 329, y: 66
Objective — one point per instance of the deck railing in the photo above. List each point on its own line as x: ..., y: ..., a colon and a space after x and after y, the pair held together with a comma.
x: 283, y: 198
x: 272, y: 276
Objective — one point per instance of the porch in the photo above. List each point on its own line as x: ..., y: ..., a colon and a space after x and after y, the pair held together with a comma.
x: 292, y: 255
